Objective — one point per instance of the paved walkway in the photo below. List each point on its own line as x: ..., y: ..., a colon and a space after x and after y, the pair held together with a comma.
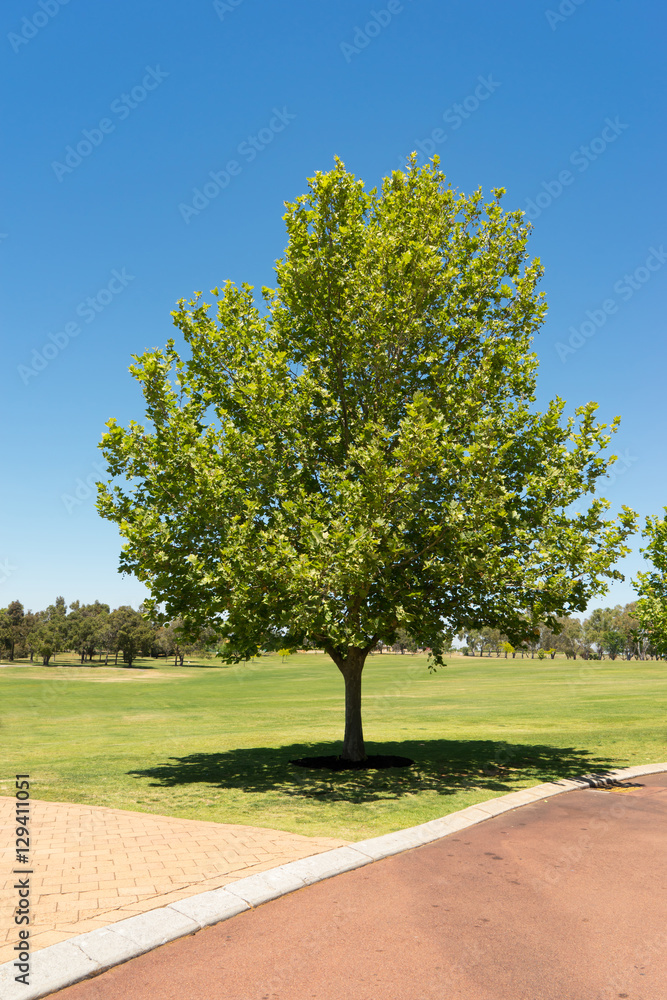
x: 94, y: 866
x: 564, y: 899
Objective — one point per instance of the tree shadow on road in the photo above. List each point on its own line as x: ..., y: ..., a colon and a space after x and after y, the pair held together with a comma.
x: 442, y: 766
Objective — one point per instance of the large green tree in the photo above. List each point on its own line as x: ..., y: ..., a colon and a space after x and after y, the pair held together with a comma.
x: 363, y: 454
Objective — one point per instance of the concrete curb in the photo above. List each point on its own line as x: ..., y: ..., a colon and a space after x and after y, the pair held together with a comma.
x: 89, y: 954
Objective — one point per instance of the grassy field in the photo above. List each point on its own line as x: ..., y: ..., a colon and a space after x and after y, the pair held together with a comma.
x: 214, y: 743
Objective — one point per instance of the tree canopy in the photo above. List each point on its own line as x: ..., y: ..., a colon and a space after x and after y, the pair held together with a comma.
x: 362, y: 453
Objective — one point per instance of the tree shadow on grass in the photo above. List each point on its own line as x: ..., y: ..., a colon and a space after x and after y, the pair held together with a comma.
x: 442, y: 766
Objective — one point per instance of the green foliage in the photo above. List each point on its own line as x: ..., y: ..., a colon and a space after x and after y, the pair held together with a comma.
x: 568, y: 637
x: 13, y: 628
x: 134, y: 635
x: 92, y: 629
x: 651, y: 585
x: 169, y: 639
x: 364, y: 455
x: 404, y: 641
x: 87, y: 628
x: 598, y: 622
x: 614, y: 632
x: 472, y: 639
x: 47, y: 634
x: 369, y: 445
x: 6, y: 636
x: 613, y: 642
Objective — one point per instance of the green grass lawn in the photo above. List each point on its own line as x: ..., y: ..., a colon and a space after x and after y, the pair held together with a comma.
x: 214, y: 743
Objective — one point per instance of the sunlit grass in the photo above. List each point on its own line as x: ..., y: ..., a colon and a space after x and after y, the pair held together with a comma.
x: 212, y: 742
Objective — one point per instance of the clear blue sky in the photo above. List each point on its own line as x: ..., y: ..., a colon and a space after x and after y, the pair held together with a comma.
x: 169, y: 92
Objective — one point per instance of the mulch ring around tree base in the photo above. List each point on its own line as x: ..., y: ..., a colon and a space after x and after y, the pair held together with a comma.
x: 374, y: 762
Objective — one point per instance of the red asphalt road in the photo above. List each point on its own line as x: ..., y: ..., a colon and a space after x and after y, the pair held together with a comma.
x: 565, y: 899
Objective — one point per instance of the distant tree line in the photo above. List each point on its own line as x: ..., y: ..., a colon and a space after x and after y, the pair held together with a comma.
x: 607, y: 632
x: 92, y: 630
x: 405, y: 643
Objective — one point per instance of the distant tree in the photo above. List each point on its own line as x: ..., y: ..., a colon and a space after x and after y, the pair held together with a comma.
x: 43, y: 641
x: 107, y: 637
x: 490, y: 640
x: 16, y: 617
x: 613, y: 632
x: 5, y: 635
x: 599, y: 621
x: 48, y: 632
x: 612, y: 642
x: 404, y: 641
x: 12, y: 630
x: 134, y: 635
x: 626, y: 623
x: 29, y: 621
x: 565, y: 637
x: 473, y: 640
x: 86, y: 625
x: 170, y: 640
x: 165, y: 643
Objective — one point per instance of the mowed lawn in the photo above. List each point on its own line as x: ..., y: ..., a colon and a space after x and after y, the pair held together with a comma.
x: 214, y: 743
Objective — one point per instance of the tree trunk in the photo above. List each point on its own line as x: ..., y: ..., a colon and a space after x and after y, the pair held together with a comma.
x: 351, y: 667
x: 353, y: 740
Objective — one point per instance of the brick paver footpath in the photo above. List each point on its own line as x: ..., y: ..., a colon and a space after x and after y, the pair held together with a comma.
x: 93, y: 866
